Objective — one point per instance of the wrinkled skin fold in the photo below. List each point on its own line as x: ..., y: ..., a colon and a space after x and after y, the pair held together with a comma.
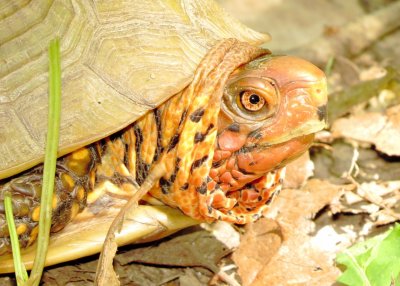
x: 224, y: 141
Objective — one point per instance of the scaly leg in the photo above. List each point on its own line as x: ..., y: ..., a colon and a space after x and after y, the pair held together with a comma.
x: 75, y: 176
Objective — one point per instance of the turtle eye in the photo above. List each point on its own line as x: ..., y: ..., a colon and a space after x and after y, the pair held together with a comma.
x: 251, y: 101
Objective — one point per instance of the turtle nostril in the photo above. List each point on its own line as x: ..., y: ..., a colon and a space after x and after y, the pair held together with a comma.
x: 321, y: 112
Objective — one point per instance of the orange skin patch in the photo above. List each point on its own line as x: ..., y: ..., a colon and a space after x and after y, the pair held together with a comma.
x: 232, y: 174
x: 275, y: 156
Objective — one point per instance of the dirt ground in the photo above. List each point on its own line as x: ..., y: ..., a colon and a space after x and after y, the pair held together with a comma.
x: 344, y: 191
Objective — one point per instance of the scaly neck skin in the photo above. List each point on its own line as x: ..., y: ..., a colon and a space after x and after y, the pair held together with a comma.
x: 189, y: 123
x: 222, y: 148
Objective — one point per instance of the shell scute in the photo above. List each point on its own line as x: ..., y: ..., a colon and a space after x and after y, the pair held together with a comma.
x: 119, y: 60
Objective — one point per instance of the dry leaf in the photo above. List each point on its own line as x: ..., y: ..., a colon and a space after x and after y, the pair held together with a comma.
x: 334, y: 163
x: 259, y: 244
x: 382, y: 130
x: 224, y: 232
x: 298, y: 171
x: 191, y: 278
x: 379, y: 200
x: 199, y: 248
x: 81, y: 274
x: 299, y: 260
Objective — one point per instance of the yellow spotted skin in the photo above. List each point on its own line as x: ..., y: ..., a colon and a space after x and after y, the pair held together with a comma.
x: 220, y: 165
x: 73, y: 182
x: 188, y: 160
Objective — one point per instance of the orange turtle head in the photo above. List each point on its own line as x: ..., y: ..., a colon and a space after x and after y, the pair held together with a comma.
x: 271, y: 109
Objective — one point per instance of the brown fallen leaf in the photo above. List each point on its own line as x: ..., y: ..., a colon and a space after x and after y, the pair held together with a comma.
x: 258, y: 245
x: 335, y: 162
x: 148, y: 275
x: 133, y: 274
x: 293, y: 257
x: 199, y: 248
x: 225, y: 232
x: 300, y: 260
x: 380, y: 129
x: 298, y: 171
x: 380, y: 200
x: 191, y: 278
x: 80, y: 274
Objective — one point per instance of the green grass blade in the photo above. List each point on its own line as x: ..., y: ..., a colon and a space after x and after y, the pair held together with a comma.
x: 19, y: 267
x: 329, y: 66
x: 49, y: 162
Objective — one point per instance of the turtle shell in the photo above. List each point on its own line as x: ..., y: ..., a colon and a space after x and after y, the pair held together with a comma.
x: 119, y: 60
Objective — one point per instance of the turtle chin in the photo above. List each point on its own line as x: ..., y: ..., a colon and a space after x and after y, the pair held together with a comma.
x: 251, y: 162
x: 266, y: 158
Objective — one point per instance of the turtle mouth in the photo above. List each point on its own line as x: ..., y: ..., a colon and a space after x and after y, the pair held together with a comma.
x: 252, y: 161
x: 307, y: 128
x: 259, y: 159
x: 253, y: 179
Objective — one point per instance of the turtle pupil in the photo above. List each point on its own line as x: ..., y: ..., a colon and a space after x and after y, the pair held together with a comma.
x: 254, y: 99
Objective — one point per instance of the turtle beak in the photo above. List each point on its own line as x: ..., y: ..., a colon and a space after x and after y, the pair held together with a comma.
x: 304, y: 113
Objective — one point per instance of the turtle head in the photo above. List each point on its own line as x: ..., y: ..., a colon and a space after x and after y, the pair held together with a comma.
x: 271, y: 109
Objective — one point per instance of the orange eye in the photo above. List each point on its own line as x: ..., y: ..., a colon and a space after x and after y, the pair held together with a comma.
x: 251, y: 101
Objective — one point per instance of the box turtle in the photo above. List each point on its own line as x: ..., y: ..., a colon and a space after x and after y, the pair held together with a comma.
x: 177, y: 84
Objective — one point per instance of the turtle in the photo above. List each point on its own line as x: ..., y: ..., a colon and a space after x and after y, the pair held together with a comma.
x: 176, y: 84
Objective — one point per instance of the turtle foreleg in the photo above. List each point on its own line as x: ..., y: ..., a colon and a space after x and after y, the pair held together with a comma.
x: 75, y: 176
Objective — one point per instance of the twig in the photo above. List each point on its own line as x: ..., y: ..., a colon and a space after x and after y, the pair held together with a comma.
x: 370, y: 197
x: 105, y: 274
